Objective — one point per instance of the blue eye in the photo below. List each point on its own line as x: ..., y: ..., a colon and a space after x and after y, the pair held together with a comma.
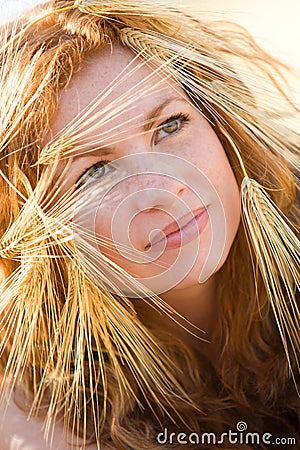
x: 171, y: 126
x: 95, y: 172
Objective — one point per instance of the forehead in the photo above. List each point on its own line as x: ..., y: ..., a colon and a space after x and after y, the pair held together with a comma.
x: 115, y: 76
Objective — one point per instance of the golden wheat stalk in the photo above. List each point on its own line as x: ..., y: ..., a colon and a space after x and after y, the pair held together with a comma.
x: 66, y: 344
x: 276, y: 249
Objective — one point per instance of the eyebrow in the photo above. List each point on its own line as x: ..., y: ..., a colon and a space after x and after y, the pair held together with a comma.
x: 150, y: 118
x: 157, y: 111
x: 101, y: 151
x: 104, y: 151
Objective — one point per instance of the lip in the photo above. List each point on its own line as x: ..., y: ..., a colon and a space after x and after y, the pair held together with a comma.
x: 183, y: 231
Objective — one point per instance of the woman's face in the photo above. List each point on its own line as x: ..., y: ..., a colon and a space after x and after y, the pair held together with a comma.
x: 171, y: 217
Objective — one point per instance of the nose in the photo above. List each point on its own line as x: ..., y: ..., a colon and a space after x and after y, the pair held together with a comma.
x: 158, y: 192
x: 154, y: 180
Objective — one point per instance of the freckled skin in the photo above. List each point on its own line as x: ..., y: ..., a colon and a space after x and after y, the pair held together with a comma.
x: 195, y: 142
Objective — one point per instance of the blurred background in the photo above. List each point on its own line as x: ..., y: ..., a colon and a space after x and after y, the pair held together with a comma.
x: 274, y: 24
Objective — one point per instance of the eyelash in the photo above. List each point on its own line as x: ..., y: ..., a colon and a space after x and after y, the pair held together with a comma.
x: 182, y: 118
x: 81, y: 180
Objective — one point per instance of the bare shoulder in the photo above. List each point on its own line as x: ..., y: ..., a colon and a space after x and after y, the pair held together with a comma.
x: 17, y: 432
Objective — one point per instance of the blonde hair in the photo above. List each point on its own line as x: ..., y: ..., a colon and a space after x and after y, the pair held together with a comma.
x: 82, y: 351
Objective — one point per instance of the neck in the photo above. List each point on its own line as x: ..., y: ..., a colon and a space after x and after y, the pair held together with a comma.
x: 197, y: 313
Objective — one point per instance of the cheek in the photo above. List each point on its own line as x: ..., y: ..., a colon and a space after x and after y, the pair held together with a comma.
x: 116, y: 238
x: 228, y: 192
x: 208, y: 155
x: 226, y: 203
x: 227, y: 188
x: 224, y: 197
